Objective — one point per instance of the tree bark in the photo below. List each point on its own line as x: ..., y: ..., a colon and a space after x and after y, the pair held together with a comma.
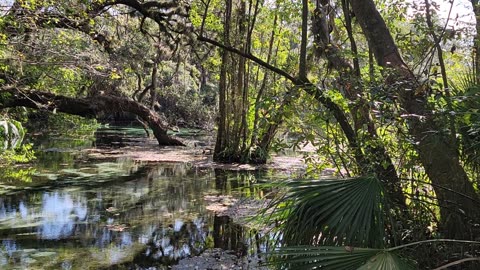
x: 440, y: 159
x: 222, y: 91
x: 476, y: 40
x: 375, y: 157
x: 302, y: 66
x: 305, y: 84
x: 87, y: 107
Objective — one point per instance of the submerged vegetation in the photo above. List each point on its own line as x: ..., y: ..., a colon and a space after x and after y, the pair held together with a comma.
x: 381, y: 96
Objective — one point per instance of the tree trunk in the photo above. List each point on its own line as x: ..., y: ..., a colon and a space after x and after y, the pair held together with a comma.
x: 153, y: 89
x: 305, y: 84
x: 259, y: 97
x: 440, y: 159
x: 476, y: 40
x: 220, y: 145
x: 302, y: 66
x: 87, y: 107
x: 233, y: 143
x: 375, y: 156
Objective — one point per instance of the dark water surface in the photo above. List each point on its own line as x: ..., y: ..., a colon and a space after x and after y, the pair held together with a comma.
x: 73, y: 213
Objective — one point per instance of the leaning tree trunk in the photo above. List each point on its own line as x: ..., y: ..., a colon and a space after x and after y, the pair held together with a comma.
x: 349, y: 79
x: 439, y: 157
x: 87, y: 107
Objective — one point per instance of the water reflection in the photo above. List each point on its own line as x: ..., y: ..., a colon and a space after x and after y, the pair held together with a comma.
x: 156, y: 217
x: 59, y: 214
x: 104, y: 214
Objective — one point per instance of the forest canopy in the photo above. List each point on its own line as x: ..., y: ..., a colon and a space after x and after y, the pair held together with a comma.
x: 387, y: 93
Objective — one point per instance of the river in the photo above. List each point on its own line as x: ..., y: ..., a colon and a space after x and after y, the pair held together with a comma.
x: 75, y: 212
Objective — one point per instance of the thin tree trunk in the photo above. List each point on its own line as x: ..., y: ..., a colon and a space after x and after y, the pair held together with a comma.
x: 476, y: 41
x: 443, y: 70
x: 302, y: 67
x: 371, y: 66
x: 222, y: 117
x: 153, y: 89
x: 260, y: 92
x: 245, y: 99
x: 353, y: 43
x: 139, y: 86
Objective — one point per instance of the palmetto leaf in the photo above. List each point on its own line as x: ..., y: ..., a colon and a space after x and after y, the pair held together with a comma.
x: 386, y: 261
x: 337, y: 212
x: 345, y: 258
x: 463, y: 83
x: 466, y: 103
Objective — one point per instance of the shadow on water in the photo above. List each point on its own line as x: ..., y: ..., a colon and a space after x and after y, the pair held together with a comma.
x: 117, y: 214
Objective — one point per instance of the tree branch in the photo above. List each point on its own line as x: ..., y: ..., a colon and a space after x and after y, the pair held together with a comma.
x: 305, y: 84
x: 90, y: 107
x: 255, y: 59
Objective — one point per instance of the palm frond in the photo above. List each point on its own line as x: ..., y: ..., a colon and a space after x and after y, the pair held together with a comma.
x: 466, y: 101
x: 333, y: 258
x: 348, y: 257
x: 386, y: 260
x: 333, y: 212
x: 463, y: 82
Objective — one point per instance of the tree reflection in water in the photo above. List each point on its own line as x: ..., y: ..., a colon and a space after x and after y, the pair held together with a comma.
x: 134, y: 214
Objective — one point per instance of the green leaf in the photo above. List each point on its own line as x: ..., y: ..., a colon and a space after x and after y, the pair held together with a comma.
x: 386, y: 261
x: 348, y: 257
x: 338, y: 212
x: 333, y: 258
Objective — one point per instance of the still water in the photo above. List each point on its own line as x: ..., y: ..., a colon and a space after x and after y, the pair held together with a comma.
x: 75, y: 213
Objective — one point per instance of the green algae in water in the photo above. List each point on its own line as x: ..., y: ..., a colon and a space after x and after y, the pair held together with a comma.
x: 43, y: 254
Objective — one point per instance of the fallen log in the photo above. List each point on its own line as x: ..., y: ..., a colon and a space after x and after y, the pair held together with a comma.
x: 90, y: 107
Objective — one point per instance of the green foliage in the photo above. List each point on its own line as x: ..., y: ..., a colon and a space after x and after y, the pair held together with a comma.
x: 347, y: 257
x: 341, y: 220
x: 324, y: 212
x: 21, y: 154
x: 4, y: 97
x: 386, y: 261
x: 466, y: 102
x: 17, y: 175
x: 67, y: 125
x: 11, y: 149
x: 213, y: 22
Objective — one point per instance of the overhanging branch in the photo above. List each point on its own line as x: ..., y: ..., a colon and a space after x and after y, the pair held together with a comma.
x: 304, y: 84
x: 255, y: 59
x: 90, y: 107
